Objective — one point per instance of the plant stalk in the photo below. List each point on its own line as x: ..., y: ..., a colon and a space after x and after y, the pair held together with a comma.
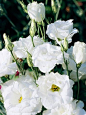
x: 77, y: 81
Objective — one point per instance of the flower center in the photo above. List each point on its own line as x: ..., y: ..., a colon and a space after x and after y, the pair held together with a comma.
x: 20, y: 99
x: 55, y: 88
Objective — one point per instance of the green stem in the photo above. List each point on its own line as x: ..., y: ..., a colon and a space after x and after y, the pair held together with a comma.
x: 41, y: 32
x: 77, y: 4
x: 16, y: 62
x: 47, y: 21
x: 66, y: 63
x: 35, y: 75
x: 77, y: 81
x: 36, y: 71
x: 38, y: 30
x: 32, y: 41
x: 67, y: 68
x: 1, y: 112
x: 46, y: 2
x: 59, y: 6
x: 43, y: 29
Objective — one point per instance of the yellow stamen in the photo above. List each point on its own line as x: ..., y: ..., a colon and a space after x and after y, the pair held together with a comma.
x: 20, y: 99
x: 55, y: 88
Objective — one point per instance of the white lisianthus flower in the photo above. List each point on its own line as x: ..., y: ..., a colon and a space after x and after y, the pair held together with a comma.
x: 36, y: 11
x: 81, y: 72
x: 55, y: 89
x: 25, y: 44
x: 74, y: 108
x: 79, y: 52
x: 6, y: 65
x: 60, y: 30
x: 71, y: 62
x: 46, y: 56
x: 20, y: 97
x: 72, y: 67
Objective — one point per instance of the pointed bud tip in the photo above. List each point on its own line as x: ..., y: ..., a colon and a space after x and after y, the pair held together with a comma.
x: 4, y: 36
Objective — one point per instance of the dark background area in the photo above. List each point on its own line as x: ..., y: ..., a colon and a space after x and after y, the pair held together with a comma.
x: 15, y: 22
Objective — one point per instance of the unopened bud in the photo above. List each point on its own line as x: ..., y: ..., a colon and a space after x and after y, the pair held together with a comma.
x: 65, y: 44
x: 23, y: 6
x: 62, y: 48
x: 2, y: 10
x: 39, y: 23
x: 53, y: 5
x: 32, y: 28
x: 29, y: 60
x: 8, y: 44
x: 79, y: 65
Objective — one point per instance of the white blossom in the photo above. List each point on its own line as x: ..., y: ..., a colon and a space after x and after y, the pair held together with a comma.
x: 60, y: 30
x: 25, y: 44
x: 36, y: 11
x: 21, y: 97
x: 55, y: 89
x: 74, y: 108
x: 46, y: 56
x: 72, y: 67
x: 79, y: 52
x: 6, y: 65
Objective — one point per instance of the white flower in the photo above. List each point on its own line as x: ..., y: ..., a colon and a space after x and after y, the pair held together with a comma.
x: 6, y: 65
x: 71, y: 62
x: 81, y: 73
x: 55, y: 89
x: 36, y: 11
x: 46, y: 56
x: 60, y: 30
x: 72, y: 66
x: 79, y: 52
x: 25, y: 44
x: 21, y: 97
x: 74, y: 108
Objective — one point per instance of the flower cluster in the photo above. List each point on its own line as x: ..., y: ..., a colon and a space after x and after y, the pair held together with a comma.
x: 29, y: 64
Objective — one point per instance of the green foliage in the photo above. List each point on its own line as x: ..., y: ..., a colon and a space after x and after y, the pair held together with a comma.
x: 2, y: 109
x: 82, y: 95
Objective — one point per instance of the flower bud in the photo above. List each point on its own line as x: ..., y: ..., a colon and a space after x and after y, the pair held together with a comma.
x: 8, y: 44
x: 62, y: 48
x: 29, y: 60
x: 79, y: 65
x: 79, y: 52
x: 36, y: 11
x: 32, y: 28
x: 65, y: 44
x: 39, y: 23
x: 53, y: 5
x: 2, y: 10
x: 23, y: 6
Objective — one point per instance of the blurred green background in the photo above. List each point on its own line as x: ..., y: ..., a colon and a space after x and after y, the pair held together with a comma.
x: 15, y: 22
